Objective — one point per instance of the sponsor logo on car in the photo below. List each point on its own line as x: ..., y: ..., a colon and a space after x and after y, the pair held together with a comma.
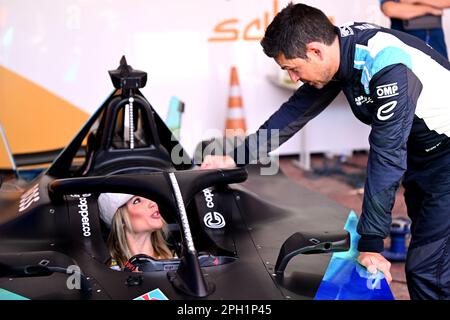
x: 28, y: 198
x: 83, y: 210
x: 84, y: 195
x: 156, y: 294
x: 214, y: 220
x: 208, y: 198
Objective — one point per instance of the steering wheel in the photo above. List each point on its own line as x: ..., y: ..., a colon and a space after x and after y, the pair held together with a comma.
x: 145, y: 263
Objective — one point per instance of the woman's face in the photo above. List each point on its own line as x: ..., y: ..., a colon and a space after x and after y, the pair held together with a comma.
x: 144, y: 215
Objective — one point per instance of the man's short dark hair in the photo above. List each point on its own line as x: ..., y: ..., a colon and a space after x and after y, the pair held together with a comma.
x: 293, y: 28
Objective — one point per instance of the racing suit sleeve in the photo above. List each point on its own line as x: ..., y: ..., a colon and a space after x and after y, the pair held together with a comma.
x: 305, y: 104
x: 394, y: 90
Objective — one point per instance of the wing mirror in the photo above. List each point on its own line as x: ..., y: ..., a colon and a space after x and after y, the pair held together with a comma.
x: 310, y: 243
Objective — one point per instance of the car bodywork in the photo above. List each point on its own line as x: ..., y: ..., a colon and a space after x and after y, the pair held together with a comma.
x: 238, y: 234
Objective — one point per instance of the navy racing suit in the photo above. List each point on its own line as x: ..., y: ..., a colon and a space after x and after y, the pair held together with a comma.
x: 398, y: 85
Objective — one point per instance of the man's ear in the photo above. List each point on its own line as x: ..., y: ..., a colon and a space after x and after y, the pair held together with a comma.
x: 315, y: 49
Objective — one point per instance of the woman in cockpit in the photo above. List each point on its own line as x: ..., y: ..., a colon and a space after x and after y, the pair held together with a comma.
x: 136, y: 228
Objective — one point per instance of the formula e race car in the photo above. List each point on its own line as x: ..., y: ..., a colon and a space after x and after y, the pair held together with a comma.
x: 237, y: 234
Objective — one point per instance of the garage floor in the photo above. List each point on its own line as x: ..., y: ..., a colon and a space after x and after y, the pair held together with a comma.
x: 342, y: 180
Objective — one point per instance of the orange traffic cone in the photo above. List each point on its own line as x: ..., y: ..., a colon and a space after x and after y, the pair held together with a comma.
x: 235, y: 124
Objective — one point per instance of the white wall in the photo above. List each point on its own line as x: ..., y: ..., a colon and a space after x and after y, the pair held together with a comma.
x: 68, y: 46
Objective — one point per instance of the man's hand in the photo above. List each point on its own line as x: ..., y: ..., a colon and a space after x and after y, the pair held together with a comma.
x: 218, y: 162
x: 374, y: 261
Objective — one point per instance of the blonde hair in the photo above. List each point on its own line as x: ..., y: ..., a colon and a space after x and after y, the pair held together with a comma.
x: 118, y: 244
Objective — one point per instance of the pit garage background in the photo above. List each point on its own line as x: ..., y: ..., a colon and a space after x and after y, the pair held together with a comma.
x: 53, y: 57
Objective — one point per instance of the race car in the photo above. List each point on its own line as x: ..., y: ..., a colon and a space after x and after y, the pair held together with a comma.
x: 237, y: 234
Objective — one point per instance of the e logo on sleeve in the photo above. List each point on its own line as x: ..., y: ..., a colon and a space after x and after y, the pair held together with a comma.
x: 383, y: 112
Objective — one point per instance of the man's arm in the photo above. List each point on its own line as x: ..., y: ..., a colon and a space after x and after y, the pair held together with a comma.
x: 305, y: 104
x: 395, y: 90
x: 440, y: 4
x: 406, y: 11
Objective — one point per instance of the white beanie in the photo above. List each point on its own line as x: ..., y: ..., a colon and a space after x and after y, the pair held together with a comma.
x: 108, y: 203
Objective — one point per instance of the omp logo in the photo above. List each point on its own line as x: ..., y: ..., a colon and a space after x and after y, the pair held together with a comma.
x: 28, y: 198
x: 214, y: 220
x: 362, y: 99
x: 383, y: 112
x: 387, y: 90
x: 83, y: 210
